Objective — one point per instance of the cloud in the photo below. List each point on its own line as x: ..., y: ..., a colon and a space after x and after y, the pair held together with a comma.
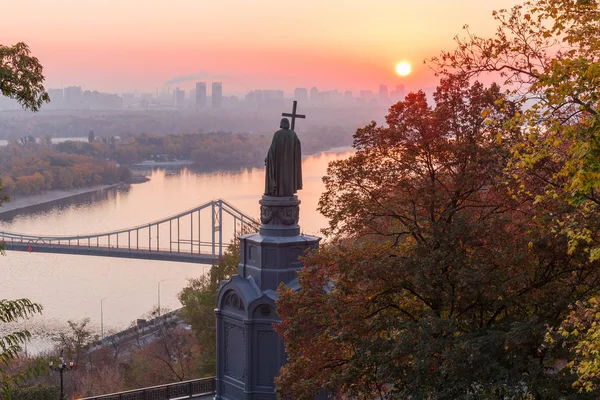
x: 196, y: 76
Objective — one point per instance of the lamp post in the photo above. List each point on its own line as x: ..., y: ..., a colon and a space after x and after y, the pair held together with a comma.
x: 159, y: 282
x: 102, y: 317
x: 61, y: 367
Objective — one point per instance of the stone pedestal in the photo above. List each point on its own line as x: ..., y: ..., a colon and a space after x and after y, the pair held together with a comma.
x: 249, y: 351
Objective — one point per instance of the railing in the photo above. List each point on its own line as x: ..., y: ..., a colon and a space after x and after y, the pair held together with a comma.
x: 179, y: 390
x: 183, y: 237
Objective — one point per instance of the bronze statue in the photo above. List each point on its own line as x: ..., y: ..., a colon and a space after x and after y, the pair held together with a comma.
x: 284, y: 163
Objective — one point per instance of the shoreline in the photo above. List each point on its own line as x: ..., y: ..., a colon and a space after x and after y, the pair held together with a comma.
x: 24, y: 202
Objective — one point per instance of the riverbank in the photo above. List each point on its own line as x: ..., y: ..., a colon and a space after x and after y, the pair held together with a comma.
x: 23, y: 202
x: 151, y: 164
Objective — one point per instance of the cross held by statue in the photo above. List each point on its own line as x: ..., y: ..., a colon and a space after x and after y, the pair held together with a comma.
x: 293, y: 115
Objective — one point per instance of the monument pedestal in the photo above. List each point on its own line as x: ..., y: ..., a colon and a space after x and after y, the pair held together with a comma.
x: 249, y: 351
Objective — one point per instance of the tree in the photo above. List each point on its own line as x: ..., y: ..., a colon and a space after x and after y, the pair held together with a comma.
x: 170, y: 355
x: 21, y: 76
x: 199, y: 300
x: 21, y: 79
x: 11, y: 344
x: 75, y: 340
x: 439, y: 282
x: 548, y: 53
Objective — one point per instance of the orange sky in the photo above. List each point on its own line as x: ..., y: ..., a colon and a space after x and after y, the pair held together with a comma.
x: 126, y: 45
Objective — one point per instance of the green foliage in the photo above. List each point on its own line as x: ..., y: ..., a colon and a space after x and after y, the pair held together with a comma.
x: 21, y: 79
x: 199, y: 299
x: 11, y: 344
x: 21, y: 76
x: 580, y: 331
x: 38, y: 392
x: 440, y: 282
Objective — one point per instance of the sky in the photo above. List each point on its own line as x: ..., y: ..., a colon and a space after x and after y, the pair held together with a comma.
x: 140, y: 45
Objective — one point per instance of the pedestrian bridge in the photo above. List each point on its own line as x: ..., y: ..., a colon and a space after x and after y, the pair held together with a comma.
x: 197, y: 236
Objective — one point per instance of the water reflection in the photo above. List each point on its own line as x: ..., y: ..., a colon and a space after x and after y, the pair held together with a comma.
x: 70, y: 287
x: 80, y: 200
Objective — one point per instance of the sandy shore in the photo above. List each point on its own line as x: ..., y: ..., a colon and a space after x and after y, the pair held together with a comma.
x: 18, y: 202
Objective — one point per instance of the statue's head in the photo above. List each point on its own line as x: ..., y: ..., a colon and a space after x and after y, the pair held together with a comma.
x: 285, y: 123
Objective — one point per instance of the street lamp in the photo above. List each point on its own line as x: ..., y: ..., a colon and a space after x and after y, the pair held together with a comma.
x: 61, y: 367
x: 102, y: 317
x: 159, y: 282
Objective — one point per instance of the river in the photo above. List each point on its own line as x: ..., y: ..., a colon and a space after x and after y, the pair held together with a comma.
x: 71, y: 287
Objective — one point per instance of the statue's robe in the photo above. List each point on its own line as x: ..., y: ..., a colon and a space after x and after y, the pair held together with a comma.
x: 284, y: 165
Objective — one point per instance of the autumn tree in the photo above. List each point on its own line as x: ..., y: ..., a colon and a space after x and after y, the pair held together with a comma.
x: 548, y: 54
x: 75, y: 340
x: 169, y: 356
x: 439, y: 282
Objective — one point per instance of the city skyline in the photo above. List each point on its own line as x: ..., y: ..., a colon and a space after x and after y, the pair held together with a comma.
x: 76, y: 97
x: 115, y: 47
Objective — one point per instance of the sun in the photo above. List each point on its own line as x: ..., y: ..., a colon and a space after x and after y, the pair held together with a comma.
x: 403, y: 68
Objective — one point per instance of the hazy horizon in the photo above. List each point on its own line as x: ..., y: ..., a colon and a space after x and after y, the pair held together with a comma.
x: 121, y: 47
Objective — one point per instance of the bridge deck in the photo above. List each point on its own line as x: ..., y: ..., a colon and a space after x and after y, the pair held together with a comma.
x: 103, y: 251
x: 183, y: 244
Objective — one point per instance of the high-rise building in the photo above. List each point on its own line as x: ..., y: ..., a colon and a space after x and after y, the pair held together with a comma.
x: 398, y: 94
x: 200, y: 94
x: 314, y: 95
x: 301, y: 94
x: 383, y: 93
x: 217, y: 94
x: 366, y: 94
x: 265, y: 97
x: 72, y: 96
x: 178, y: 98
x: 129, y: 98
x: 348, y: 94
x: 56, y: 98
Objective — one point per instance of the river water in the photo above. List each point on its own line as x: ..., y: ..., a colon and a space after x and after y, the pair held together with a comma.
x: 71, y: 287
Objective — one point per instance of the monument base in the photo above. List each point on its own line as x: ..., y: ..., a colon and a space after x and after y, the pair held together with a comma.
x: 249, y: 351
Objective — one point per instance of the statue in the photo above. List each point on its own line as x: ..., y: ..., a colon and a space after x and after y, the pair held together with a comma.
x: 284, y: 163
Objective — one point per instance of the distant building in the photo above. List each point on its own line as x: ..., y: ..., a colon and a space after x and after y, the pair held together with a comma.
x: 301, y: 94
x: 217, y: 94
x: 129, y: 98
x: 383, y: 93
x: 348, y: 94
x: 72, y: 95
x: 398, y: 94
x: 314, y: 95
x: 56, y: 98
x: 147, y: 96
x: 92, y: 99
x: 366, y: 94
x: 265, y: 97
x: 329, y: 97
x: 200, y: 94
x: 179, y: 98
